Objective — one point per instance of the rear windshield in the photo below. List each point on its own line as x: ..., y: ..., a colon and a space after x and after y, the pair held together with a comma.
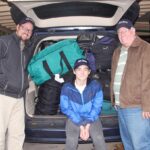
x: 75, y: 9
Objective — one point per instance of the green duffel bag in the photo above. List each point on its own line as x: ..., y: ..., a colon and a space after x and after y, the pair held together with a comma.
x: 58, y: 58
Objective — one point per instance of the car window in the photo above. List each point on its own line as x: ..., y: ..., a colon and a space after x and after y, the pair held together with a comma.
x: 75, y: 9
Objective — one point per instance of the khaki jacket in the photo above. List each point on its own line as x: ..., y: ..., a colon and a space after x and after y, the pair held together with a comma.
x: 135, y: 84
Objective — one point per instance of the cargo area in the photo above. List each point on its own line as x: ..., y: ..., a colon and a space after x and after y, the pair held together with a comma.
x: 102, y: 75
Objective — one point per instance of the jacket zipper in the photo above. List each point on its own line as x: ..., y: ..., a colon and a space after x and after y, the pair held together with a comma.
x: 76, y: 90
x: 123, y: 75
x: 22, y: 74
x: 82, y: 98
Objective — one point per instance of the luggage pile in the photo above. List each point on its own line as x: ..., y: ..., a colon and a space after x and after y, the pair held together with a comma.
x: 59, y: 58
x: 98, y: 51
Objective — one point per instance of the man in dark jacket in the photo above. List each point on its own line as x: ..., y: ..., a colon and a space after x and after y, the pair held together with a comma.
x: 14, y: 57
x: 130, y: 87
x: 81, y: 102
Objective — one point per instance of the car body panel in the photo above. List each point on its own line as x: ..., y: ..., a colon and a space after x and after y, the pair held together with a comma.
x: 27, y: 8
x: 51, y: 130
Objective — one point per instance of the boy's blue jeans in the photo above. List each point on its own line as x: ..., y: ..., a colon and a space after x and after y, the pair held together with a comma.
x: 134, y: 129
x: 73, y: 131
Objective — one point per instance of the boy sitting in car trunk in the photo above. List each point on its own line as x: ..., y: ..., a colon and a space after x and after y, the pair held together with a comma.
x: 81, y: 102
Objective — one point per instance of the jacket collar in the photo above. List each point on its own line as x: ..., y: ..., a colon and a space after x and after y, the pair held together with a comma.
x: 136, y: 42
x: 17, y: 39
x: 73, y: 81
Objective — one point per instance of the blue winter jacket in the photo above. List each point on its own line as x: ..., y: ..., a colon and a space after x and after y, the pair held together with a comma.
x: 82, y: 108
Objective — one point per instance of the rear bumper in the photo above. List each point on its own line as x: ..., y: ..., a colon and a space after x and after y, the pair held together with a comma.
x: 58, y: 136
x: 53, y: 130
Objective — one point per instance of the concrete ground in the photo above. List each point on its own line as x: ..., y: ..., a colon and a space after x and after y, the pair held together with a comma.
x: 38, y: 146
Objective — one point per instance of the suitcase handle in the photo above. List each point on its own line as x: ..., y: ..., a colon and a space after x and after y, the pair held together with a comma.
x: 63, y: 58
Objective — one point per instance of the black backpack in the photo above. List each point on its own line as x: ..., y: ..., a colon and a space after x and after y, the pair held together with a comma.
x: 103, y: 50
x: 105, y: 78
x: 48, y: 98
x: 86, y: 40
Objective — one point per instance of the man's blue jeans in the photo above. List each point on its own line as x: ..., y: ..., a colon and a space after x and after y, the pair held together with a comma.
x: 134, y: 129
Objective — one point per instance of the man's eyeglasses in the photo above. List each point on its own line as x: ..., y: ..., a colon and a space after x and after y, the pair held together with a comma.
x: 26, y: 29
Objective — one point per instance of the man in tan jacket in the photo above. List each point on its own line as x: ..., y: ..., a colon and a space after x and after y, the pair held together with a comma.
x: 130, y: 87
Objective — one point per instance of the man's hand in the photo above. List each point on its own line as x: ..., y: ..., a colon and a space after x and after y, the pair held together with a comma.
x: 84, y: 132
x: 87, y: 126
x: 87, y: 131
x: 146, y: 115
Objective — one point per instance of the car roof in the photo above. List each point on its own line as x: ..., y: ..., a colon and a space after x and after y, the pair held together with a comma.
x: 64, y: 13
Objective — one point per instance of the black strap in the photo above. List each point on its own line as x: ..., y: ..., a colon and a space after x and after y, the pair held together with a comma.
x: 48, y: 70
x: 64, y: 58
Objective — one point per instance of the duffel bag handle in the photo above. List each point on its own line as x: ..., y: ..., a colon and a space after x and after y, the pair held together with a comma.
x: 64, y: 58
x: 48, y: 70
